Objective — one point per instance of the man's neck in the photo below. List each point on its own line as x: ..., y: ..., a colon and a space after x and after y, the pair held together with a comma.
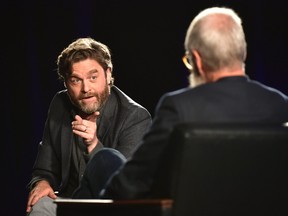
x: 214, y: 76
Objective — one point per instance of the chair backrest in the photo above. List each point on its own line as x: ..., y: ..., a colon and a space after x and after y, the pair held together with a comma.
x: 230, y: 169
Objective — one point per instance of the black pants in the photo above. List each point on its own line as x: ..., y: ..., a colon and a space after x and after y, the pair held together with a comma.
x: 98, y: 170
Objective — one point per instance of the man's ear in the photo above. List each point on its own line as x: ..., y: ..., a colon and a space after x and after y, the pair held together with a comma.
x: 198, y: 63
x: 109, y: 76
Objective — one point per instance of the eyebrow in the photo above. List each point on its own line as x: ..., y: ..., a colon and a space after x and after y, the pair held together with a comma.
x: 93, y: 71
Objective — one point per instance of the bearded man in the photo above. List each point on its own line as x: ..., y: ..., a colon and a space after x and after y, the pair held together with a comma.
x: 90, y: 114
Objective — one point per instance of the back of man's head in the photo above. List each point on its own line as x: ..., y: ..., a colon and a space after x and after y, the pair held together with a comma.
x: 217, y: 35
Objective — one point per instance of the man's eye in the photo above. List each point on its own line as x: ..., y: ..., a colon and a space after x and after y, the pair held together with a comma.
x: 74, y: 80
x: 93, y: 77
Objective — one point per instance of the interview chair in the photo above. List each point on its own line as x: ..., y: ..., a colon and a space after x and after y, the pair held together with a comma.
x: 210, y: 170
x: 230, y: 169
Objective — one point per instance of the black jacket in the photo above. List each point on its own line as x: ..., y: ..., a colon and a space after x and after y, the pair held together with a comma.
x: 122, y: 124
x: 231, y: 99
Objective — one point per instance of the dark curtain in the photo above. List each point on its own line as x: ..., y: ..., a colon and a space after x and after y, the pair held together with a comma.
x: 146, y: 40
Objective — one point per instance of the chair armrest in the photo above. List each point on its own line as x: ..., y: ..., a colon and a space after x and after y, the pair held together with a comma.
x: 108, y: 207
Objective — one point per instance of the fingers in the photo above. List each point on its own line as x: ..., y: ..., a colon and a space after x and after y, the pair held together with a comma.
x: 86, y: 128
x: 78, y: 124
x: 93, y: 116
x: 80, y: 128
x: 78, y: 118
x: 33, y: 198
x: 42, y: 189
x: 52, y: 195
x: 83, y: 127
x: 28, y: 209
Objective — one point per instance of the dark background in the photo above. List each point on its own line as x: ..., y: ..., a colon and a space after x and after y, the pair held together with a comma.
x: 146, y: 39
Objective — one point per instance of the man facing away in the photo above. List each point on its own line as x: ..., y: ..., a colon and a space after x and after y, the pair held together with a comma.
x: 219, y: 91
x: 90, y: 114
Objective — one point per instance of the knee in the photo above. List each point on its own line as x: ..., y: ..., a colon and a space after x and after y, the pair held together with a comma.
x: 45, y: 206
x: 101, y: 167
x: 109, y: 155
x: 105, y: 159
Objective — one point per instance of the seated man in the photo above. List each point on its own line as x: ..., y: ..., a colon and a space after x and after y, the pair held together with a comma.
x: 89, y: 115
x: 219, y: 91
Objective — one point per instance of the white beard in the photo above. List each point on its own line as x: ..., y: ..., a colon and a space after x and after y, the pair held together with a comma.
x: 195, y: 80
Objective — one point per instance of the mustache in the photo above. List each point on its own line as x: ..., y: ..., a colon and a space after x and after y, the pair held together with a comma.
x: 87, y: 95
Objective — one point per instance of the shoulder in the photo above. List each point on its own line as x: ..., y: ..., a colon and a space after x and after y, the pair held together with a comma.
x: 60, y: 101
x: 126, y: 101
x: 268, y: 90
x: 60, y: 97
x: 175, y: 95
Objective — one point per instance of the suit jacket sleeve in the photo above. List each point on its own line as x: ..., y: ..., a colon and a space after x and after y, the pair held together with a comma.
x: 48, y: 160
x: 135, y: 179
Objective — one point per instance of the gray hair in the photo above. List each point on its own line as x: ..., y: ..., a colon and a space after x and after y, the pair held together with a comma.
x: 217, y: 34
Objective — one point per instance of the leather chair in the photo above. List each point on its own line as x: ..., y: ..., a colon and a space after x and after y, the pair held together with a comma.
x: 230, y: 169
x: 210, y: 170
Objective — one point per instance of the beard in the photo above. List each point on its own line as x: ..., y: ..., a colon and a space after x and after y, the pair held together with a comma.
x: 195, y: 80
x: 101, y: 98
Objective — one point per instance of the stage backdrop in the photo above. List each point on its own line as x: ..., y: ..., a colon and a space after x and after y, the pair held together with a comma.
x: 146, y: 40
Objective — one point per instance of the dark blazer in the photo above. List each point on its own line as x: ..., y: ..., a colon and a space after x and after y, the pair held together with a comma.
x: 121, y: 126
x: 231, y: 99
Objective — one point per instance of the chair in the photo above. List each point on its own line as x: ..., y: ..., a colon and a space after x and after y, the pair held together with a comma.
x: 230, y: 169
x: 107, y: 207
x: 210, y: 170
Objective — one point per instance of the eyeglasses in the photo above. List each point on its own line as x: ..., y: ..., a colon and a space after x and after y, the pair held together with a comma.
x: 186, y: 60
